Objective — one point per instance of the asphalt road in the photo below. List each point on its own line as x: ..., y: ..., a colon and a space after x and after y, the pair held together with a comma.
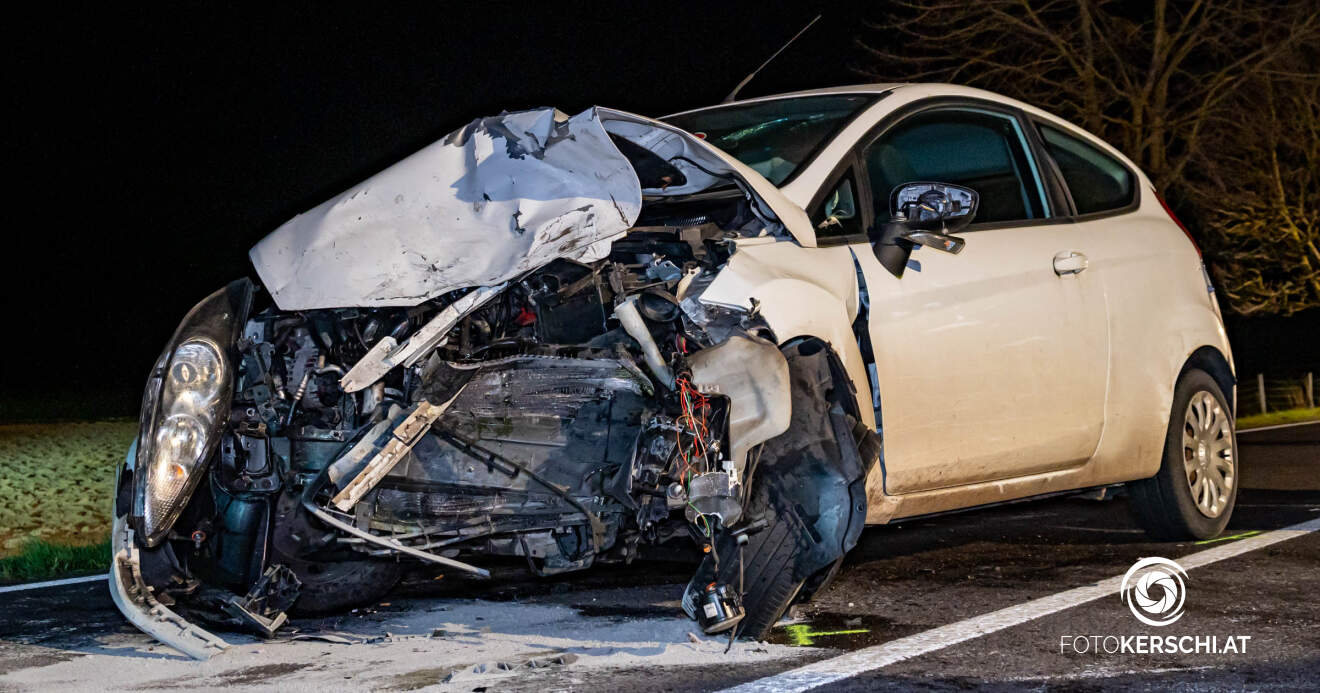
x: 913, y: 582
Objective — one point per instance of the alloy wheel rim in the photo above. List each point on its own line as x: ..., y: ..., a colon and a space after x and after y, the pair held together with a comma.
x: 1207, y: 443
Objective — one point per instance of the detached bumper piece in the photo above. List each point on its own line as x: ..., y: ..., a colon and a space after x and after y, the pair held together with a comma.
x: 263, y: 608
x: 139, y: 605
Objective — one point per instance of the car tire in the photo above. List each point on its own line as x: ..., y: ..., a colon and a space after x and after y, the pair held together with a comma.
x: 1193, y: 494
x: 328, y: 585
x: 332, y: 586
x: 768, y: 585
x: 808, y: 488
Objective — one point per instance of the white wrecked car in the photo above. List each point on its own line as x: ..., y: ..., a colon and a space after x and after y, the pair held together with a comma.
x: 562, y: 338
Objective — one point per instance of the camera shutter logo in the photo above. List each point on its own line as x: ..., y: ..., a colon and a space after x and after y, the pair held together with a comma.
x: 1154, y: 589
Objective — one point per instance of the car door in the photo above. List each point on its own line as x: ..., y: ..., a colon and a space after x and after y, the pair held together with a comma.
x: 990, y: 364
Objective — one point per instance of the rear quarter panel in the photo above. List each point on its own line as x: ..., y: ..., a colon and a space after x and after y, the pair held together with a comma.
x: 1160, y: 311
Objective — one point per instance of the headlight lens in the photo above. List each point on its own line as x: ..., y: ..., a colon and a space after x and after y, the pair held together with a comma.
x: 185, y: 405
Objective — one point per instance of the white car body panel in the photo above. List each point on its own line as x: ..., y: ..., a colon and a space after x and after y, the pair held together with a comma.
x: 998, y: 379
x: 956, y: 369
x: 800, y: 293
x: 968, y: 350
x: 476, y: 208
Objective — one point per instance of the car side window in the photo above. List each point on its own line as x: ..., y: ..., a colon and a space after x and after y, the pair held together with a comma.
x: 982, y: 150
x: 836, y: 216
x: 1097, y: 181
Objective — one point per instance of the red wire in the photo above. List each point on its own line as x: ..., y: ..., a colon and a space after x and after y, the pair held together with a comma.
x: 699, y: 428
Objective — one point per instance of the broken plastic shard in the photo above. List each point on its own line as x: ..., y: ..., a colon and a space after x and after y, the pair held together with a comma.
x: 138, y: 604
x: 714, y: 493
x: 263, y: 608
x: 695, y: 311
x: 387, y: 353
x: 402, y: 439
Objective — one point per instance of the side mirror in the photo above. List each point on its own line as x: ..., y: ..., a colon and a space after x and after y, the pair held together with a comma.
x: 941, y: 208
x: 923, y: 213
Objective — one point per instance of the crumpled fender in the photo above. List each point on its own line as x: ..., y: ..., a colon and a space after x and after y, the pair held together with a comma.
x: 811, y: 478
x: 799, y: 293
x: 817, y: 471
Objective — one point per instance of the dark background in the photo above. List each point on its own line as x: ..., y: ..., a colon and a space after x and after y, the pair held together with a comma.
x: 153, y: 146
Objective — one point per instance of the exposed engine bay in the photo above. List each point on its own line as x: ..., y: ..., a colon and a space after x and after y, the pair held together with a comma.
x: 568, y: 415
x: 552, y: 432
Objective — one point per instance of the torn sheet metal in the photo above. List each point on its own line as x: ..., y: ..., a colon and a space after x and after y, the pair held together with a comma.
x: 496, y: 198
x: 686, y: 151
x: 499, y: 197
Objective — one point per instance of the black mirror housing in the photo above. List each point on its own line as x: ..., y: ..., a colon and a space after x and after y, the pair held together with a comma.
x: 923, y: 213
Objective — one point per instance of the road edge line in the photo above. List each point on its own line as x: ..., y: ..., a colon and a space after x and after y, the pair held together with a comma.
x: 50, y: 583
x: 869, y: 659
x: 1273, y: 427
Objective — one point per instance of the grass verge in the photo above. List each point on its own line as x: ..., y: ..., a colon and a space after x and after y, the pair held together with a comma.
x: 38, y: 559
x: 57, y: 481
x: 1274, y: 418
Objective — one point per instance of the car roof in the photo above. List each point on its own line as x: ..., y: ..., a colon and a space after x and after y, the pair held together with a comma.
x: 823, y: 91
x: 929, y: 89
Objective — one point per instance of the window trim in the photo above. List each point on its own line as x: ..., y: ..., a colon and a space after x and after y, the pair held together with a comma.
x: 847, y: 165
x: 1090, y: 140
x: 1036, y: 171
x: 973, y: 104
x: 1058, y: 188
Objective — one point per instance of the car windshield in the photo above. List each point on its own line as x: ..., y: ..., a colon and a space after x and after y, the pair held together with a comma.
x: 776, y: 137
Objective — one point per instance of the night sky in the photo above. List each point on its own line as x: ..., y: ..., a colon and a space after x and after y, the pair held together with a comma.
x: 154, y: 145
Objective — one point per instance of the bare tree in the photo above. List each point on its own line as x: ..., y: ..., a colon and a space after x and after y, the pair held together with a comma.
x: 1262, y: 199
x: 1163, y: 81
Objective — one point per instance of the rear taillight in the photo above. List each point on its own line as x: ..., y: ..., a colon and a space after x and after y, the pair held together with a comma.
x: 1175, y: 219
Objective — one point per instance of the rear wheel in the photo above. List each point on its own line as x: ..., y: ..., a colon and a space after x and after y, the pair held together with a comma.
x: 1193, y: 494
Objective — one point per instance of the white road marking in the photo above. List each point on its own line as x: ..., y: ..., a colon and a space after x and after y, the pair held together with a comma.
x: 1271, y: 428
x: 872, y: 658
x: 51, y: 583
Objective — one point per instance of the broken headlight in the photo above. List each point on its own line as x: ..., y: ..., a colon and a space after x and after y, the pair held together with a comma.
x: 185, y: 405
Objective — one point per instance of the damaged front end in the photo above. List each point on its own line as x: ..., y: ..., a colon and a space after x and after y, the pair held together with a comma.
x: 498, y: 347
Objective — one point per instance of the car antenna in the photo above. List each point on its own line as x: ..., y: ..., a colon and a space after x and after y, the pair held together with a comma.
x: 734, y: 94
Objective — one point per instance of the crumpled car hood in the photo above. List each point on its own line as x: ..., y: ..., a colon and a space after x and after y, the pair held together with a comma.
x: 500, y: 196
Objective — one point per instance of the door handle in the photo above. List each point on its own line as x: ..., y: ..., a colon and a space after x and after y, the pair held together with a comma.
x: 1070, y: 262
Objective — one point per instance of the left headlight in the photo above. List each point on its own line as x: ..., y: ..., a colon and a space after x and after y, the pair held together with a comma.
x: 184, y: 408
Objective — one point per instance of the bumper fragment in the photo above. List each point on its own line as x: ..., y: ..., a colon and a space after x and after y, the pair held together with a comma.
x: 135, y: 600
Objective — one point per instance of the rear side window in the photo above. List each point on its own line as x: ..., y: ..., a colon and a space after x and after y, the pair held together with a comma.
x: 1097, y: 181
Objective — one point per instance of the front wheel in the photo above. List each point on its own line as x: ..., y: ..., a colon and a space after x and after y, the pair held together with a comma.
x: 327, y: 585
x: 808, y: 487
x: 1192, y: 495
